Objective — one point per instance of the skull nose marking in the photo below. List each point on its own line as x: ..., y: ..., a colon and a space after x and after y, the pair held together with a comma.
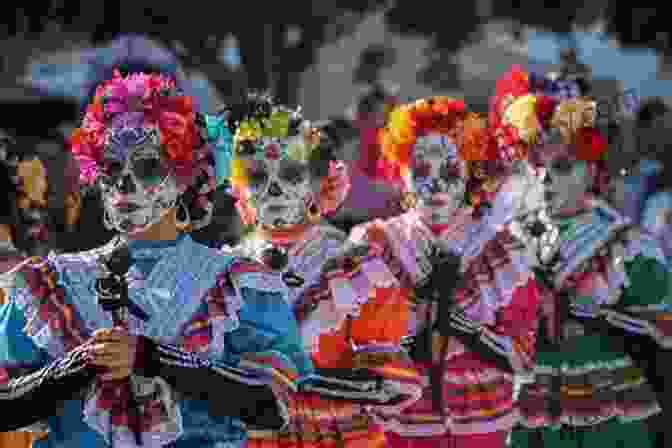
x: 126, y: 184
x: 547, y: 179
x: 274, y: 190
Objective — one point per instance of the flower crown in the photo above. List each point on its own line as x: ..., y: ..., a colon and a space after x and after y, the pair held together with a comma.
x: 139, y: 105
x: 528, y: 110
x: 407, y: 122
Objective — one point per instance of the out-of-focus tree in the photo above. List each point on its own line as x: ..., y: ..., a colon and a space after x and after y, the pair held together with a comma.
x: 276, y: 43
x: 630, y: 24
x: 448, y: 31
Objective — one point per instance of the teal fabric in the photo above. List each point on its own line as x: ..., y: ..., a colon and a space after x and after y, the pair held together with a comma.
x: 613, y: 434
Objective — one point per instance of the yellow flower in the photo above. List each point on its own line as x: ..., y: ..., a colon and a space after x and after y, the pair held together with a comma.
x: 522, y: 115
x: 400, y: 126
x: 248, y: 130
x: 278, y: 125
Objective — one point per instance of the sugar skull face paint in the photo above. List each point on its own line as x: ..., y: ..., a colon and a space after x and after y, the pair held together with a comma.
x: 438, y: 179
x: 280, y: 188
x: 566, y: 179
x: 138, y: 186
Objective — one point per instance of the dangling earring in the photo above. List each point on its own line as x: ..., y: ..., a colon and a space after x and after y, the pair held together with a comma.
x: 185, y: 222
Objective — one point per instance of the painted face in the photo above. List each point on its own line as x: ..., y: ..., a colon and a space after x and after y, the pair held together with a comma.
x: 32, y: 203
x: 138, y: 186
x: 527, y: 187
x: 280, y: 187
x: 566, y: 180
x: 438, y: 172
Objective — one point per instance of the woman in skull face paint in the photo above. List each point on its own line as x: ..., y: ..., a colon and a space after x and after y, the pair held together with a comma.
x: 474, y: 311
x: 189, y: 320
x: 603, y: 279
x: 284, y: 173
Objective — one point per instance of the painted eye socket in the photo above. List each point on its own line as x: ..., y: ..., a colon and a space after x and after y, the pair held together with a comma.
x: 257, y: 177
x: 563, y: 166
x: 449, y: 171
x: 247, y: 148
x: 147, y: 168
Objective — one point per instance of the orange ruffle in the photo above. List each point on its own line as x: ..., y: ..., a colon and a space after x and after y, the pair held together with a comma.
x: 383, y: 319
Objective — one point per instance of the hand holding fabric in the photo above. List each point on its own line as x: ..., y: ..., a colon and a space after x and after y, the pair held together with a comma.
x: 115, y: 350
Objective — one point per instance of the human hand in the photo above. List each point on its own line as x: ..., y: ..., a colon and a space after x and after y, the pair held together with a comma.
x: 115, y: 350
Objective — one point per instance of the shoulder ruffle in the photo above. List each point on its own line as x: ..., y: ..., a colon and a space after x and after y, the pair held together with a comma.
x: 402, y: 242
x: 53, y: 321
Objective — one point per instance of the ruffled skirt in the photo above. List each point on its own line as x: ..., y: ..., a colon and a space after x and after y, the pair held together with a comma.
x: 320, y: 422
x: 585, y: 384
x: 477, y: 404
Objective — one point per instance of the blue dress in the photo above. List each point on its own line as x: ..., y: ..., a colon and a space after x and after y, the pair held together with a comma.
x: 193, y: 313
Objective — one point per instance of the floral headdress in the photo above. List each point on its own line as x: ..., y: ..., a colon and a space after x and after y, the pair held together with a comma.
x: 475, y: 143
x: 530, y: 110
x: 260, y: 128
x: 407, y: 122
x: 276, y: 132
x: 127, y: 109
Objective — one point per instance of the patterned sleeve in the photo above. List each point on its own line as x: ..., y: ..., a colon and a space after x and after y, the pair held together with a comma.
x: 27, y: 375
x: 243, y: 342
x: 496, y: 308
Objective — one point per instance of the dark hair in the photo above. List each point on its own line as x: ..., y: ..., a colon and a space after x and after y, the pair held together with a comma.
x: 650, y: 110
x: 325, y: 152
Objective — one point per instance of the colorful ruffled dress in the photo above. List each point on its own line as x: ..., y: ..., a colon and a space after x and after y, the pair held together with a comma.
x: 605, y: 279
x: 339, y: 400
x: 210, y: 333
x: 497, y: 295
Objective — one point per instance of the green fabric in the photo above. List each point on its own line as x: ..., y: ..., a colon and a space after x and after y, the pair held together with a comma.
x: 612, y: 434
x: 579, y: 351
x: 650, y: 282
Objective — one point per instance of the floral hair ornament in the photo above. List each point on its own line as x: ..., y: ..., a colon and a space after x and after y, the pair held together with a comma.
x: 221, y: 139
x: 407, y: 122
x: 137, y: 101
x: 137, y: 108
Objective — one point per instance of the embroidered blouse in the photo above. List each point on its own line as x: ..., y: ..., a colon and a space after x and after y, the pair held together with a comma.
x: 211, y: 335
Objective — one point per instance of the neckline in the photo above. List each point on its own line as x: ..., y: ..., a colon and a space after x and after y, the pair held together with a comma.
x: 154, y: 248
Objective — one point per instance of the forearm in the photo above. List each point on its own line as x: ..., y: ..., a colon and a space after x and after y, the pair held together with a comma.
x: 218, y: 384
x: 38, y: 395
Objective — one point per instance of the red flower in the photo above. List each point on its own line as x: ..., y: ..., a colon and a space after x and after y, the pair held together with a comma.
x: 272, y: 151
x: 589, y: 144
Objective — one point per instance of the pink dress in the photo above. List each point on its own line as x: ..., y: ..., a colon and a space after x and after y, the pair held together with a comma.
x: 498, y: 294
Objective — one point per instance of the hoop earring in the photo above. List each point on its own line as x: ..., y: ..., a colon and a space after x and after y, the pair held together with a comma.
x: 408, y: 201
x: 313, y: 214
x: 182, y: 224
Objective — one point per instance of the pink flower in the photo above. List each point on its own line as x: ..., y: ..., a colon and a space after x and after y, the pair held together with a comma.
x: 88, y: 170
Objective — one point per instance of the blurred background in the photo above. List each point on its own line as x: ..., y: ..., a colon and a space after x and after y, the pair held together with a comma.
x: 341, y: 60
